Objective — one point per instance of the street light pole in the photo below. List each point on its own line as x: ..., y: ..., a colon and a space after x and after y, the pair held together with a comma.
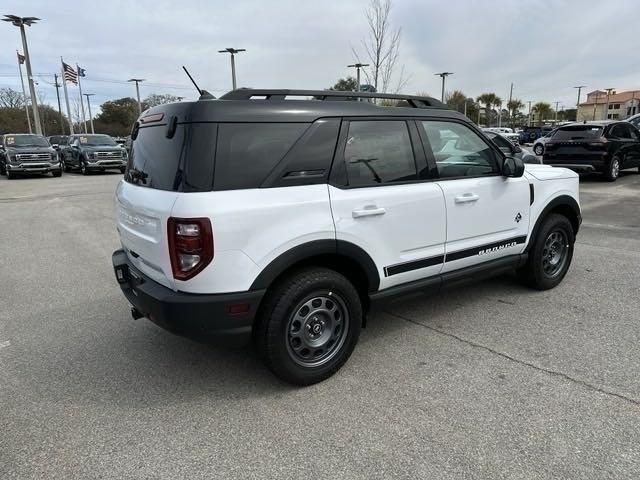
x: 529, y: 116
x: 579, y: 87
x: 89, y: 106
x: 233, y: 52
x: 358, y: 66
x: 556, y: 115
x: 137, y: 81
x: 24, y: 91
x: 606, y: 109
x: 21, y: 22
x: 443, y: 75
x: 57, y: 85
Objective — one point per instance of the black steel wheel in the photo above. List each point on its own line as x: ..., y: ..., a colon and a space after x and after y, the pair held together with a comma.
x: 550, y: 253
x: 308, y: 325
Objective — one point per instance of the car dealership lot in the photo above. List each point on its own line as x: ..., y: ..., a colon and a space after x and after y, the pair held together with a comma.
x: 488, y: 381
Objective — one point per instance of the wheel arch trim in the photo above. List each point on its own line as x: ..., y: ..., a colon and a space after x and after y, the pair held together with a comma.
x: 315, y: 248
x: 560, y: 201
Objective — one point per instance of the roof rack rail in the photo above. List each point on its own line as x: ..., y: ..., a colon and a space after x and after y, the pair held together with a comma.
x: 249, y: 93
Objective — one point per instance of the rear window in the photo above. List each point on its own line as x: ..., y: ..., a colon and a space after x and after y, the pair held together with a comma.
x: 247, y: 152
x: 578, y: 132
x: 183, y: 163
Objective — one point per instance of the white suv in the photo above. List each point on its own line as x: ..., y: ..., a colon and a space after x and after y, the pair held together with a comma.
x: 283, y: 219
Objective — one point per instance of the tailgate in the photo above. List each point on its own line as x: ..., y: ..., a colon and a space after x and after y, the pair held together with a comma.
x: 142, y: 215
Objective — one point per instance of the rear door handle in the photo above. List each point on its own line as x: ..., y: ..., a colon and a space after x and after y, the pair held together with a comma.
x: 467, y: 197
x: 368, y: 211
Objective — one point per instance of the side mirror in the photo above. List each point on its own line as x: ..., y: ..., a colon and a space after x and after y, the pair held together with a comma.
x: 512, y: 167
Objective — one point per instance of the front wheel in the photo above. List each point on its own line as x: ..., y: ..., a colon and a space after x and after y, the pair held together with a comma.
x: 83, y: 168
x: 538, y: 149
x: 309, y: 325
x: 613, y: 172
x: 550, y: 254
x: 10, y: 175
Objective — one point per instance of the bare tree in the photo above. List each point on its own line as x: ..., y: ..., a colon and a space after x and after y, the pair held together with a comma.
x: 382, y: 49
x: 10, y: 98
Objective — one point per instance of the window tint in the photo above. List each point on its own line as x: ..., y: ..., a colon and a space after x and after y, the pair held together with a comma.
x: 578, y: 132
x: 247, y: 152
x: 459, y: 151
x: 620, y: 131
x: 183, y: 163
x: 634, y: 133
x: 379, y: 152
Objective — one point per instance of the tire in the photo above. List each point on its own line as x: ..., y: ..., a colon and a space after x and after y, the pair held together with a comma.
x: 550, y: 255
x: 123, y: 169
x: 613, y: 171
x: 308, y: 325
x: 57, y: 173
x: 83, y: 168
x: 10, y: 175
x: 538, y: 149
x: 66, y: 167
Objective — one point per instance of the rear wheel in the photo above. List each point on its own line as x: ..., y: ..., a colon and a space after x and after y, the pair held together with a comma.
x: 309, y: 324
x: 550, y: 255
x: 613, y: 172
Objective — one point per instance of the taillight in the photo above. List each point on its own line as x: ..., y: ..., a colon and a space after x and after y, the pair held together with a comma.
x: 190, y: 246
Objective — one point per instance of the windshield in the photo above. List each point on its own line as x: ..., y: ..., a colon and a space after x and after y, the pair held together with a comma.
x: 578, y: 132
x: 25, y: 141
x: 94, y: 140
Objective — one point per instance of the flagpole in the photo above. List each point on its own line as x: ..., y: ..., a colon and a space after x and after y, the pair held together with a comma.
x: 24, y: 94
x: 66, y: 97
x: 84, y: 119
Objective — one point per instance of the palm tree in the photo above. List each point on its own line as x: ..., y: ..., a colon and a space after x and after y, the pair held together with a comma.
x: 514, y: 105
x: 488, y: 99
x: 542, y: 109
x: 497, y: 102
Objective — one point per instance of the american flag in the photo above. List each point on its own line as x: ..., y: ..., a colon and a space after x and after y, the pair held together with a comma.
x: 70, y: 74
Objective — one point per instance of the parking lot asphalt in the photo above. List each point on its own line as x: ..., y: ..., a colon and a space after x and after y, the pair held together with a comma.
x: 488, y: 381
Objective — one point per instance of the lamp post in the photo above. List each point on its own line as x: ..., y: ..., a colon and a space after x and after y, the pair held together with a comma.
x: 233, y: 52
x: 443, y: 75
x: 358, y: 66
x: 579, y: 87
x: 606, y: 109
x: 89, y: 106
x: 20, y: 22
x: 137, y: 81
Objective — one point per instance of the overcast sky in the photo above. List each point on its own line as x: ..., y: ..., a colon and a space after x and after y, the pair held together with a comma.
x: 544, y: 47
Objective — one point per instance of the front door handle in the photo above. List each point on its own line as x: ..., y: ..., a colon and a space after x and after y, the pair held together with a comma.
x: 467, y: 197
x: 368, y: 211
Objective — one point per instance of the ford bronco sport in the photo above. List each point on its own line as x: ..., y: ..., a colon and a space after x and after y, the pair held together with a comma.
x: 283, y: 216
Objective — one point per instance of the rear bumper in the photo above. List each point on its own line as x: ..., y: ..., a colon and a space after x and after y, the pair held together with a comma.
x: 576, y: 167
x: 197, y: 316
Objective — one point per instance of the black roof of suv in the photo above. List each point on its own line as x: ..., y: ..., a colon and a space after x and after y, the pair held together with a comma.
x: 298, y: 106
x: 255, y: 138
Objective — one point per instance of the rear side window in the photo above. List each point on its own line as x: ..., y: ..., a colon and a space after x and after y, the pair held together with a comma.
x: 183, y: 163
x: 379, y: 152
x: 247, y: 152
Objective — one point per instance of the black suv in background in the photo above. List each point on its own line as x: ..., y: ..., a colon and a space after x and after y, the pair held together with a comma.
x: 89, y: 153
x: 27, y: 154
x: 603, y: 147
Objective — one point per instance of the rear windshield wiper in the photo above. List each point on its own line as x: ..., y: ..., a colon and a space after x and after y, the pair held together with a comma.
x: 138, y: 176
